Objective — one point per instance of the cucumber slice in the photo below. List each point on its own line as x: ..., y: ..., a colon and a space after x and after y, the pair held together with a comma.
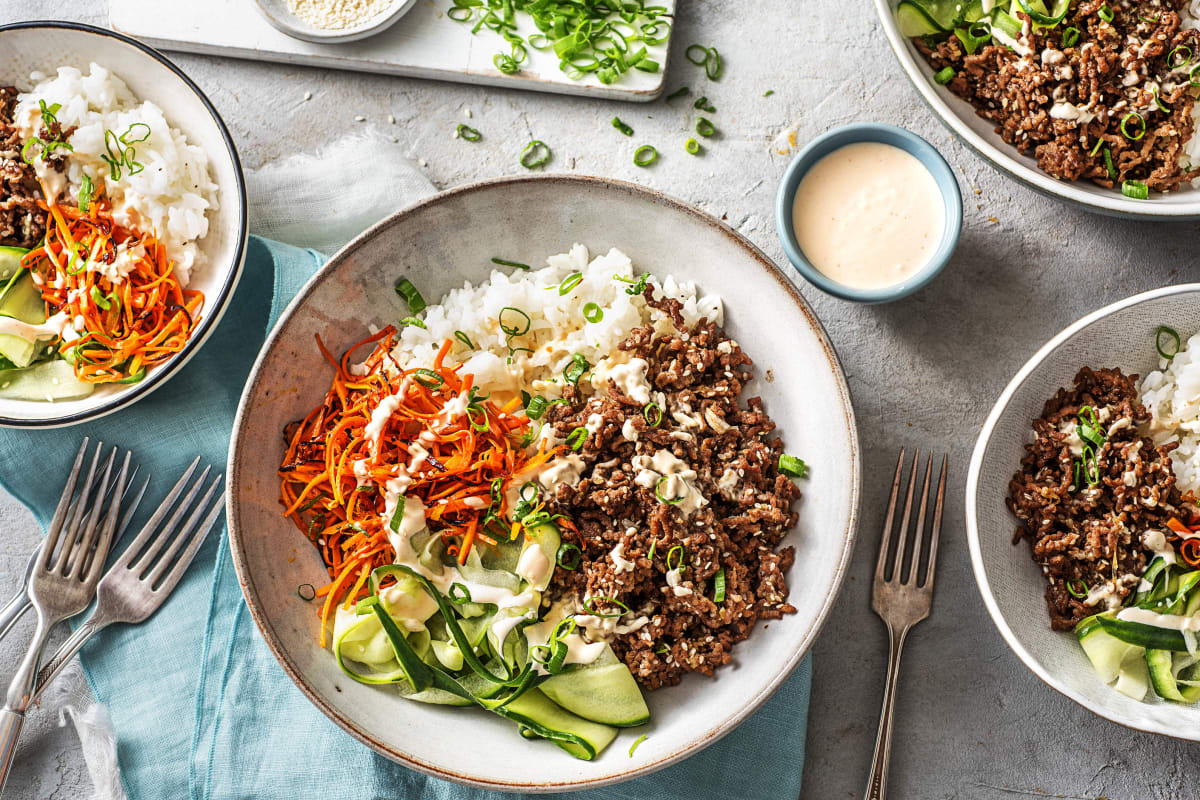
x: 49, y: 380
x: 1134, y: 678
x: 10, y: 261
x: 1163, y: 679
x: 22, y: 301
x: 578, y: 736
x: 914, y: 20
x: 1106, y: 652
x: 608, y: 695
x: 1147, y: 636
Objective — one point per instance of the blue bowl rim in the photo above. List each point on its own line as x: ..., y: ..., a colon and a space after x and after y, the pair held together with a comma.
x: 884, y: 133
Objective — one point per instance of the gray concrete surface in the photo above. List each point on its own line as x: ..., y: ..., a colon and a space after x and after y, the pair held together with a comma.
x: 972, y: 721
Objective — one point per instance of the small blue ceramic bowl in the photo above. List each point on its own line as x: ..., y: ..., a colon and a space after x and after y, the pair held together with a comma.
x: 825, y: 144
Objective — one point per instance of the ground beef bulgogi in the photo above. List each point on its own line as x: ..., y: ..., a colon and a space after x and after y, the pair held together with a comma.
x: 634, y: 544
x: 22, y: 222
x: 1064, y: 105
x: 1088, y: 538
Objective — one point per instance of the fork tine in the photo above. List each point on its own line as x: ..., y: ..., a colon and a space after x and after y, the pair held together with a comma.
x: 181, y: 565
x: 60, y: 513
x: 71, y: 535
x: 142, y: 565
x: 919, y: 540
x: 151, y: 525
x: 168, y: 557
x: 881, y: 564
x: 902, y: 535
x: 100, y: 554
x: 88, y: 537
x: 936, y: 532
x: 126, y: 517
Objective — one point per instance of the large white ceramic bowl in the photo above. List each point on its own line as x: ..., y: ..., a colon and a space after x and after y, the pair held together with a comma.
x: 440, y: 243
x: 980, y: 136
x: 45, y: 46
x: 1120, y: 335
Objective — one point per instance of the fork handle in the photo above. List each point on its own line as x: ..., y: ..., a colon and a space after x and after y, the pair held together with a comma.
x: 10, y: 733
x: 877, y: 787
x: 66, y: 652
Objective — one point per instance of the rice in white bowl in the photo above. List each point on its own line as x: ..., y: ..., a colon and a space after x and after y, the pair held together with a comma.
x: 169, y: 197
x: 1171, y: 394
x: 558, y: 328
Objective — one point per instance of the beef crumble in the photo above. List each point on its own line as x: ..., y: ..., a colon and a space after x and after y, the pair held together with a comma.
x: 1088, y: 538
x: 672, y: 493
x: 22, y: 221
x: 1065, y: 105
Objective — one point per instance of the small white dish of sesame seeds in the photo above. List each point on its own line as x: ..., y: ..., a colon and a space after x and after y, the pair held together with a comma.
x: 332, y: 21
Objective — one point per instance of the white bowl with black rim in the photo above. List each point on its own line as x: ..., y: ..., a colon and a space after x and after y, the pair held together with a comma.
x: 979, y: 134
x: 44, y: 46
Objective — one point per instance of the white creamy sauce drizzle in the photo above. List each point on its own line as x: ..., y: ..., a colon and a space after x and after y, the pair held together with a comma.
x: 620, y: 562
x: 1173, y: 622
x: 1156, y: 542
x: 674, y: 578
x: 628, y: 432
x: 56, y: 325
x: 680, y: 479
x: 630, y: 379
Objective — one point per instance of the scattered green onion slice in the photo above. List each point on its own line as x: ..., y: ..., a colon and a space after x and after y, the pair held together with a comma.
x: 462, y: 337
x: 506, y: 263
x: 692, y: 146
x: 1096, y: 149
x: 86, y: 190
x: 1108, y: 165
x: 467, y: 133
x: 592, y: 312
x: 944, y: 76
x: 405, y: 288
x: 621, y: 126
x: 704, y: 127
x: 536, y: 407
x: 768, y: 92
x: 428, y: 378
x: 790, y: 465
x: 697, y: 54
x: 1180, y: 57
x: 99, y: 299
x: 577, y: 437
x: 653, y: 414
x: 569, y: 283
x: 1192, y: 79
x: 1135, y: 190
x: 398, y: 514
x: 703, y: 105
x: 1141, y: 121
x: 1173, y: 336
x: 645, y: 155
x: 459, y: 594
x: 514, y: 327
x: 675, y: 554
x: 413, y: 321
x: 575, y: 370
x: 1105, y: 13
x: 658, y: 492
x: 588, y: 606
x: 719, y: 586
x: 682, y: 91
x: 536, y: 154
x: 635, y: 744
x: 306, y: 591
x: 712, y: 67
x: 568, y: 556
x: 1077, y: 593
x: 1160, y: 104
x: 1070, y: 36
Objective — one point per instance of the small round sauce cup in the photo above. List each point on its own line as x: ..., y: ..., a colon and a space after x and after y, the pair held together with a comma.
x: 907, y: 141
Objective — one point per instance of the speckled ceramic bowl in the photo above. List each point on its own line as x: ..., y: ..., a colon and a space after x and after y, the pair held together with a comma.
x: 440, y: 243
x: 1120, y: 335
x: 280, y: 16
x: 45, y: 46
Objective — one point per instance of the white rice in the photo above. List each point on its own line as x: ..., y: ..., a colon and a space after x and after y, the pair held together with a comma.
x: 170, y: 197
x: 1171, y: 393
x: 557, y: 327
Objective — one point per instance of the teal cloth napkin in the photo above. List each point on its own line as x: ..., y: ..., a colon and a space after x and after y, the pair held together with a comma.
x: 201, y: 708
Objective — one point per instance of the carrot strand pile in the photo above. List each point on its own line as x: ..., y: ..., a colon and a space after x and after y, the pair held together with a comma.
x: 462, y: 450
x: 1185, y: 541
x: 124, y: 325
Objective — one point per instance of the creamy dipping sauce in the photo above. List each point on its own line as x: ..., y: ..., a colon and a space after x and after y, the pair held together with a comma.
x: 868, y: 215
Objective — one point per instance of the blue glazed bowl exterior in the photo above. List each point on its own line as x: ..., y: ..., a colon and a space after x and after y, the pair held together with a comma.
x: 825, y: 144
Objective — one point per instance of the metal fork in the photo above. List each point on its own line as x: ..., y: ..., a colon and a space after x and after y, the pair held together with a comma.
x: 63, y: 580
x: 140, y: 580
x: 902, y: 598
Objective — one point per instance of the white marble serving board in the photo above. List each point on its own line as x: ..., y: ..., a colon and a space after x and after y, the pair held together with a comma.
x: 425, y: 43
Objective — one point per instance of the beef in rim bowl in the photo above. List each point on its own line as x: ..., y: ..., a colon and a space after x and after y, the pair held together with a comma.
x: 1082, y: 515
x: 541, y: 490
x: 124, y: 226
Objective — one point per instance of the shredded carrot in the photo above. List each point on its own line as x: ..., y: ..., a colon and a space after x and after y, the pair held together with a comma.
x: 149, y: 315
x: 333, y: 477
x: 1189, y: 551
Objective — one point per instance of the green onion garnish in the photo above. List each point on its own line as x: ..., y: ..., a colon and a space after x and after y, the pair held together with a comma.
x: 569, y: 283
x: 506, y: 263
x: 133, y: 133
x: 1159, y: 103
x: 99, y: 299
x: 682, y: 91
x: 1079, y: 593
x: 518, y: 324
x: 703, y: 104
x: 1070, y: 36
x: 719, y: 586
x: 592, y: 312
x: 658, y: 492
x: 574, y: 371
x: 428, y: 378
x: 1135, y: 190
x: 768, y: 92
x: 577, y: 437
x: 306, y: 591
x: 790, y: 465
x: 1096, y: 149
x: 536, y: 407
x: 1105, y: 13
x: 653, y: 414
x: 397, y: 515
x: 944, y: 76
x: 459, y: 593
x: 462, y: 337
x: 621, y: 126
x: 414, y: 322
x: 1192, y: 79
x: 568, y: 556
x: 1141, y: 126
x: 536, y: 154
x: 697, y: 54
x: 86, y: 190
x: 1108, y: 165
x: 675, y: 554
x: 645, y: 155
x: 591, y: 609
x: 636, y: 286
x: 467, y: 133
x: 692, y: 146
x: 416, y: 303
x: 1180, y: 57
x: 1172, y: 335
x: 704, y: 127
x: 706, y: 57
x: 635, y: 744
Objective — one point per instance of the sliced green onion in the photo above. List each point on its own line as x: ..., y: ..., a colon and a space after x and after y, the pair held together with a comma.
x: 568, y: 556
x: 459, y: 594
x: 592, y: 312
x: 944, y: 76
x: 1108, y: 165
x: 692, y: 146
x: 1135, y: 190
x: 768, y: 92
x: 1180, y: 57
x: 414, y: 322
x: 704, y: 127
x: 1079, y: 593
x: 633, y: 747
x: 1192, y: 79
x: 1105, y: 13
x: 306, y: 591
x: 462, y: 337
x: 1173, y: 336
x: 712, y: 67
x: 1096, y: 149
x: 86, y: 190
x: 99, y: 299
x: 428, y: 378
x: 653, y: 414
x: 621, y: 126
x: 1070, y: 36
x: 406, y: 289
x: 575, y: 370
x: 518, y: 325
x: 133, y: 133
x: 719, y: 586
x: 697, y: 54
x: 1053, y: 18
x: 467, y: 133
x: 569, y: 283
x: 1160, y: 104
x: 703, y: 104
x: 682, y: 91
x: 135, y: 377
x: 536, y: 154
x: 398, y: 514
x: 658, y: 492
x: 536, y: 407
x: 645, y: 155
x: 790, y: 465
x: 588, y: 606
x: 675, y: 553
x: 506, y: 263
x: 576, y: 438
